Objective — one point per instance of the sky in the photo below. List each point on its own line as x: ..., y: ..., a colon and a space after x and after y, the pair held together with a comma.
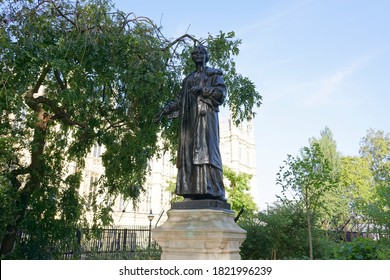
x: 316, y: 63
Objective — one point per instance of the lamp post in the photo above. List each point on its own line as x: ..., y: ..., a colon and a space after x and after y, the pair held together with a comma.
x: 150, y: 217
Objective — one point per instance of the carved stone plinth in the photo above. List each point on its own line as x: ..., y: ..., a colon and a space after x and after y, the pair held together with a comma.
x: 199, y: 234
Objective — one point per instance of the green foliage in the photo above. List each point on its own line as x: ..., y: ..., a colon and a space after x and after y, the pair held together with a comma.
x: 378, y: 211
x: 363, y: 249
x: 172, y: 190
x: 307, y: 177
x: 310, y: 178
x: 282, y: 234
x: 51, y: 222
x: 238, y: 191
x: 7, y: 206
x: 375, y: 149
x: 243, y: 96
x: 365, y: 181
x: 334, y: 208
x: 357, y: 181
x: 333, y: 190
x: 375, y: 146
x: 329, y: 149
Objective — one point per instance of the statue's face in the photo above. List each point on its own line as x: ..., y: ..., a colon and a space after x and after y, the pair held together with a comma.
x: 199, y: 55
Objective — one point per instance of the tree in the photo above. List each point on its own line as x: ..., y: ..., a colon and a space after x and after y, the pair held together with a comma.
x: 281, y: 233
x: 335, y: 204
x: 172, y: 190
x: 75, y: 74
x: 356, y: 179
x: 367, y: 182
x: 364, y: 178
x: 307, y: 178
x: 329, y: 148
x: 238, y: 191
x: 375, y: 148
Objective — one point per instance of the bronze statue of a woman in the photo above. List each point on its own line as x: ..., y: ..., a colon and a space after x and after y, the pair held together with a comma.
x: 198, y: 157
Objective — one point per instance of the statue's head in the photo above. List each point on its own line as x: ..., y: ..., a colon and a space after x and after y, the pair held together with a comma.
x: 200, y: 50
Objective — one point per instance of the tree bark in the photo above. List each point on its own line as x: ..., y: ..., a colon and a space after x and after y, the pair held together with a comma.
x: 36, y: 168
x: 36, y: 171
x: 310, y: 236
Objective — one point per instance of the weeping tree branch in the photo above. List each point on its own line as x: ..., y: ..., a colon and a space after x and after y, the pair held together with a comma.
x: 59, y: 112
x: 58, y: 10
x: 182, y: 39
x: 135, y: 19
x: 62, y: 83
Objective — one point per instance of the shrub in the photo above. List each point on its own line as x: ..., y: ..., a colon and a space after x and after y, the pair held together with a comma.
x: 364, y: 249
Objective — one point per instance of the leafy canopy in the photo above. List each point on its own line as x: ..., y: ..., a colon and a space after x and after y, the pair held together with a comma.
x: 238, y: 191
x: 310, y: 178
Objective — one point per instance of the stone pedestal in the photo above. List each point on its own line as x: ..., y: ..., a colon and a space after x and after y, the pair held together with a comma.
x: 196, y: 233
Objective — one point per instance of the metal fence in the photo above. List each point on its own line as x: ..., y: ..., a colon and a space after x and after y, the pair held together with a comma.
x: 116, y: 243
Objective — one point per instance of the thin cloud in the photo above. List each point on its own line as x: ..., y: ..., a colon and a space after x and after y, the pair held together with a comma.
x: 324, y: 89
x: 273, y: 19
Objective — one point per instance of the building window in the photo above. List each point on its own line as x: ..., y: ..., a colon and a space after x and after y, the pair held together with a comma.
x: 97, y: 151
x: 121, y: 204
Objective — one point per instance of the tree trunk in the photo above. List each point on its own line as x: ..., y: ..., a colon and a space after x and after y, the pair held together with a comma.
x: 36, y: 168
x: 310, y: 236
x: 12, y: 230
x: 36, y: 171
x: 8, y: 242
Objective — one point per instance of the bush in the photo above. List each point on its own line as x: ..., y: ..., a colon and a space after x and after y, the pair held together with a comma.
x: 282, y: 234
x: 364, y: 249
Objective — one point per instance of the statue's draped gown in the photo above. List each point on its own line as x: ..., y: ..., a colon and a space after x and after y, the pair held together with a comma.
x: 199, y: 160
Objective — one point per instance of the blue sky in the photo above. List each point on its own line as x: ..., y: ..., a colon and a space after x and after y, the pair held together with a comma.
x: 316, y: 64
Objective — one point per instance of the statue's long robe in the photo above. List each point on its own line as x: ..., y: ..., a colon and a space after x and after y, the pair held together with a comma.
x: 199, y: 160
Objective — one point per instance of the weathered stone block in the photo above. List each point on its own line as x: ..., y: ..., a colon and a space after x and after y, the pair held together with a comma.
x: 200, y: 234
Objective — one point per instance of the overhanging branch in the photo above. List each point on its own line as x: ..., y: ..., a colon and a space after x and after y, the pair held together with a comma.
x: 182, y: 39
x: 29, y: 96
